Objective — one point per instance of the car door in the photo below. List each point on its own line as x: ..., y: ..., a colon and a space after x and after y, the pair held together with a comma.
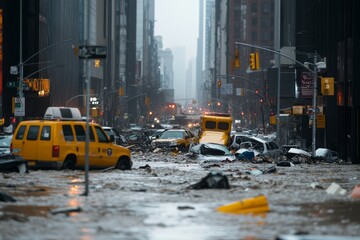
x: 106, y: 155
x: 29, y: 146
x: 274, y: 149
x: 80, y: 138
x: 45, y: 146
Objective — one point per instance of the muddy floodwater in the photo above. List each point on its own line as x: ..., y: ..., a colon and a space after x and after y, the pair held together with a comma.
x: 154, y: 201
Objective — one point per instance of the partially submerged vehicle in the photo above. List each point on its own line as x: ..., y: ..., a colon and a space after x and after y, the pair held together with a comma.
x: 264, y: 147
x: 210, y: 152
x: 9, y: 162
x: 215, y: 128
x: 172, y: 139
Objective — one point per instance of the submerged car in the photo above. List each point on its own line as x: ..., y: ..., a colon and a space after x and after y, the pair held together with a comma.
x: 9, y: 162
x: 238, y: 138
x: 264, y: 147
x: 171, y: 139
x: 119, y: 139
x: 157, y: 133
x: 5, y: 141
x: 210, y: 152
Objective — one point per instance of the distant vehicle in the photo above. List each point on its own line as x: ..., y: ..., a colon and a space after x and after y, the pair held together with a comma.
x: 175, y: 138
x: 157, y: 134
x: 119, y: 139
x: 238, y: 138
x: 9, y: 162
x: 5, y: 141
x: 210, y: 152
x: 215, y: 128
x: 326, y: 154
x: 267, y: 148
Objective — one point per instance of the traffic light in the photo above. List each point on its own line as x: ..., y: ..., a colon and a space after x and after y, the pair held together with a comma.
x: 237, y: 58
x: 13, y: 120
x: 219, y: 83
x: 254, y: 61
x: 147, y: 101
x: 97, y: 63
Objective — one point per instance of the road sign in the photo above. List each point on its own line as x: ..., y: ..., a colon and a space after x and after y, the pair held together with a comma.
x: 19, y: 107
x: 92, y: 52
x: 14, y: 70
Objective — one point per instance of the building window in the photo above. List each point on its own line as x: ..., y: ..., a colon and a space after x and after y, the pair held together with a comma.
x: 265, y: 23
x: 254, y: 21
x: 254, y: 36
x: 265, y: 36
x: 265, y: 7
x: 254, y: 7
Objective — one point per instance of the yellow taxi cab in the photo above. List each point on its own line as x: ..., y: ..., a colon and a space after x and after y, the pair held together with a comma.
x: 59, y: 142
x: 215, y: 128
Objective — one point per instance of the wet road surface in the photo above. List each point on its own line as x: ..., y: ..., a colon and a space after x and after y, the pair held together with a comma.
x: 153, y: 201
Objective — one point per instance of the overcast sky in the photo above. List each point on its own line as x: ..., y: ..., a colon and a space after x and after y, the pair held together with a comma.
x: 177, y: 22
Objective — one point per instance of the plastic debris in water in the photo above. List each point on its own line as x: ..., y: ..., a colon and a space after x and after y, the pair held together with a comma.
x: 335, y: 188
x: 253, y: 205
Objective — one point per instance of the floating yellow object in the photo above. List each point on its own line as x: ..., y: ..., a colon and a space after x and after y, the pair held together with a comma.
x: 257, y: 204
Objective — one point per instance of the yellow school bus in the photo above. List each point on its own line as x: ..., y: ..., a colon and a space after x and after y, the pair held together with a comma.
x: 215, y: 128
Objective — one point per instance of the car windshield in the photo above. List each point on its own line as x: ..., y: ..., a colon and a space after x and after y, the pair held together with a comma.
x: 172, y: 134
x: 108, y: 131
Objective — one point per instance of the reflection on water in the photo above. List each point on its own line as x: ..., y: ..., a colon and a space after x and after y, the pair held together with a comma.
x: 27, y: 211
x: 333, y: 211
x: 194, y: 221
x: 87, y: 234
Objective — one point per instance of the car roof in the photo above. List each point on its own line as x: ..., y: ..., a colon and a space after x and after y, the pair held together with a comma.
x: 175, y: 130
x: 260, y: 139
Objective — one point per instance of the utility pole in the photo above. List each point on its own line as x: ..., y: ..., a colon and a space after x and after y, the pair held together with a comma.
x: 277, y: 23
x: 21, y: 65
x: 313, y: 145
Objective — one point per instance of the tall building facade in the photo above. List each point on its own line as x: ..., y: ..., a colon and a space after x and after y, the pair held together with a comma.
x: 52, y: 31
x: 49, y: 28
x: 199, y: 83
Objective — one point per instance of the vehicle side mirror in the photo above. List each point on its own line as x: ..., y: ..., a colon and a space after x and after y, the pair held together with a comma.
x: 112, y: 138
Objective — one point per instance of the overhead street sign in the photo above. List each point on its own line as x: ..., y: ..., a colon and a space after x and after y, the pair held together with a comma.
x: 92, y: 52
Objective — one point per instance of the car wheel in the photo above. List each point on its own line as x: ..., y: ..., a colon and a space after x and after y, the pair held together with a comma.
x: 69, y: 163
x: 124, y: 164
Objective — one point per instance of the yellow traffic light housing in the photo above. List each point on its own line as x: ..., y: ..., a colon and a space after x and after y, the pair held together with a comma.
x: 254, y: 61
x: 237, y: 58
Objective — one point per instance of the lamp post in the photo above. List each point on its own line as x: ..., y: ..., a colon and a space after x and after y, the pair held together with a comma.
x: 314, y: 108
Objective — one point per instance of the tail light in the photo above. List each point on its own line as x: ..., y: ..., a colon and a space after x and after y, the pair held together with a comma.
x: 56, y: 151
x: 11, y: 148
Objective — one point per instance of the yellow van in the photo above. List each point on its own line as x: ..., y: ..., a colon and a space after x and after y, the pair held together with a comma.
x: 60, y: 144
x: 215, y: 128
